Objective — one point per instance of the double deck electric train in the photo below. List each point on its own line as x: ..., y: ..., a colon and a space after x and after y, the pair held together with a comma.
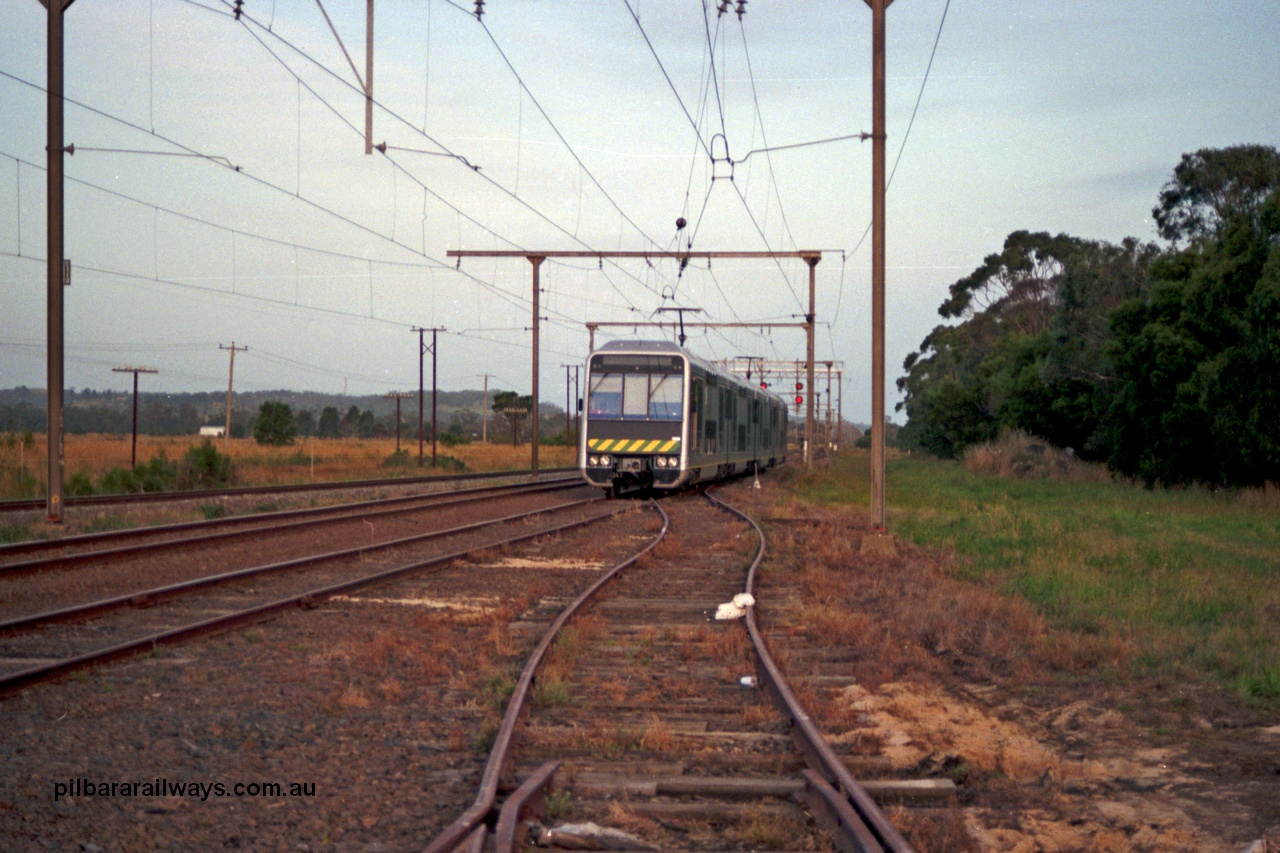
x: 657, y: 417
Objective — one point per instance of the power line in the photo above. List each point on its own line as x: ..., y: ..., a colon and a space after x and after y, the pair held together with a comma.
x: 564, y: 141
x: 238, y: 231
x: 263, y: 182
x: 635, y: 17
x: 444, y: 149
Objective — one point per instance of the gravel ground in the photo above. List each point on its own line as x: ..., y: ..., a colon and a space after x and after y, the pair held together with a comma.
x: 377, y: 706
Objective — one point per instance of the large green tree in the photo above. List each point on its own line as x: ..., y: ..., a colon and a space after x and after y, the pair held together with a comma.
x: 1216, y: 188
x: 274, y: 424
x: 1026, y: 348
x: 1163, y: 362
x: 1198, y: 359
x: 330, y: 424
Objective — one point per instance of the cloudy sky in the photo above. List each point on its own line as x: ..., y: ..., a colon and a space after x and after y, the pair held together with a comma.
x: 220, y: 192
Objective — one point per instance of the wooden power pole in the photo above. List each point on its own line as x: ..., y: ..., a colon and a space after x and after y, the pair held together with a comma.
x: 133, y: 457
x: 231, y: 378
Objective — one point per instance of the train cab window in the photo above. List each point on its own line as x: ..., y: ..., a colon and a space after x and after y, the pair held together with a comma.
x: 635, y: 395
x: 605, y: 395
x: 636, y: 388
x: 666, y: 396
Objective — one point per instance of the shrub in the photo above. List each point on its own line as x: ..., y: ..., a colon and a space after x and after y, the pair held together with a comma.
x: 158, y: 475
x: 398, y: 459
x: 449, y: 463
x: 119, y: 481
x: 78, y: 485
x: 204, y: 467
x: 449, y: 438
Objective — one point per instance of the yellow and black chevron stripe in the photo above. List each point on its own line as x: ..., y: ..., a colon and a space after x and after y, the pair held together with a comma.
x: 633, y: 445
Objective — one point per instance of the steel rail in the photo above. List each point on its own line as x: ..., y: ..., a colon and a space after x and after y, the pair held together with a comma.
x: 151, y: 596
x: 873, y: 832
x: 268, y: 522
x: 15, y: 548
x: 30, y: 504
x: 257, y: 613
x: 469, y: 824
x: 504, y: 832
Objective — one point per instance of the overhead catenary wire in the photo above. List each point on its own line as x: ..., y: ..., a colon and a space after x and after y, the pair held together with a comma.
x: 247, y: 19
x: 705, y: 145
x: 260, y: 181
x: 394, y: 241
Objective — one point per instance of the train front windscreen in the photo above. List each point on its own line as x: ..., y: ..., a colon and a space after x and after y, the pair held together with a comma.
x: 636, y: 387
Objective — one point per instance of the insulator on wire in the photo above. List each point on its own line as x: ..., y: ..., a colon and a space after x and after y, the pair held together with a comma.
x: 479, y: 9
x: 742, y: 8
x: 239, y: 9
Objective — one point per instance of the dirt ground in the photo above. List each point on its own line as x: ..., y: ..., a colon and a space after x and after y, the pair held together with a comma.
x: 1049, y: 749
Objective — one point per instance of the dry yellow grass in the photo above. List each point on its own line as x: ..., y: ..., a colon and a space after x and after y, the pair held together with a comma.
x: 309, y: 460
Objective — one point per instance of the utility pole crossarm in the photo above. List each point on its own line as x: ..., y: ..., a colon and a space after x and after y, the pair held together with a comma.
x: 582, y: 253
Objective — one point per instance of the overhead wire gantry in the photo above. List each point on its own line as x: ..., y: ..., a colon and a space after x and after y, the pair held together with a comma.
x: 536, y: 258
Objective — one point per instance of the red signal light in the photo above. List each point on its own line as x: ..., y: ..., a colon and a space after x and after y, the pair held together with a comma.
x: 799, y: 386
x: 799, y: 399
x: 764, y: 385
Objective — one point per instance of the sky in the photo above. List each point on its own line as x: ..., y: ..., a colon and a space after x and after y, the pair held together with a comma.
x: 220, y: 192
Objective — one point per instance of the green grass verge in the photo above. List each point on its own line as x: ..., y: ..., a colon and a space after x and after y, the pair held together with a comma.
x: 1190, y: 579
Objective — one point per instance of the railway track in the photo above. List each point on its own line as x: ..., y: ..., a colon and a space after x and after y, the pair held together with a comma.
x: 102, y: 567
x: 377, y: 699
x: 83, y: 631
x: 38, y: 504
x: 46, y: 554
x: 644, y: 712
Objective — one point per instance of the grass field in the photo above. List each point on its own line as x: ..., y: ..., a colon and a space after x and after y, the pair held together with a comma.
x: 23, y: 466
x: 1182, y: 582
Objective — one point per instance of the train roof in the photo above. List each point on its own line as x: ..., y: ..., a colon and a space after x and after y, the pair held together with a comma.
x: 643, y: 346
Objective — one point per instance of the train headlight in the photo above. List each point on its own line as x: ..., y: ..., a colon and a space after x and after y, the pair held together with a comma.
x: 660, y: 461
x: 605, y: 461
x: 673, y: 461
x: 593, y: 461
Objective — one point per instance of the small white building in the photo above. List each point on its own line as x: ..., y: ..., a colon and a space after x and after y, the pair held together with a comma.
x: 212, y: 431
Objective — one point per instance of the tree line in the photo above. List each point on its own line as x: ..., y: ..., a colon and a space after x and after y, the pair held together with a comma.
x: 1160, y: 360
